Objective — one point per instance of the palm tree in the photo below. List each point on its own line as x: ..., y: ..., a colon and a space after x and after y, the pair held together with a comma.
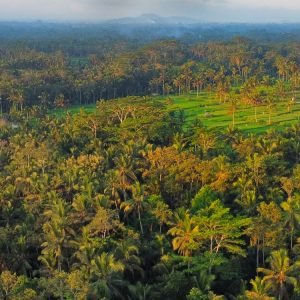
x: 233, y: 107
x: 290, y: 104
x: 260, y: 290
x: 222, y: 169
x: 106, y: 276
x: 85, y: 250
x: 55, y: 231
x: 56, y: 234
x: 204, y: 280
x: 271, y: 104
x: 162, y: 213
x: 255, y: 167
x: 124, y: 172
x: 205, y: 141
x: 222, y: 91
x: 11, y: 287
x: 137, y: 203
x: 179, y: 142
x: 198, y: 81
x: 247, y: 199
x: 251, y: 96
x: 139, y: 291
x: 291, y: 209
x: 280, y: 274
x: 185, y: 232
x: 127, y: 253
x: 17, y: 98
x: 179, y: 83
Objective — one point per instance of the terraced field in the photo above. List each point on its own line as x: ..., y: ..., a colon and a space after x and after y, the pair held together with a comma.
x: 219, y: 115
x: 216, y: 115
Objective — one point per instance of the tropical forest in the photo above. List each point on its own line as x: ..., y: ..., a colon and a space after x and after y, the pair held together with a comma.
x: 147, y: 162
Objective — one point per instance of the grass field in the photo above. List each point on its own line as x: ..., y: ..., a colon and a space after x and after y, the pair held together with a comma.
x: 217, y: 115
x: 75, y: 109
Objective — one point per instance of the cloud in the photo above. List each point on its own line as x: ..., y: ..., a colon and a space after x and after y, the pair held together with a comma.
x: 120, y: 8
x: 101, y: 9
x: 211, y: 10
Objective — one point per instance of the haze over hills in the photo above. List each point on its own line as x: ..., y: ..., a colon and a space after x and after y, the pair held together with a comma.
x: 154, y: 20
x: 148, y: 27
x: 254, y: 11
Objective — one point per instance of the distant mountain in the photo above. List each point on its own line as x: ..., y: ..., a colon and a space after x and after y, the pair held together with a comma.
x: 152, y: 19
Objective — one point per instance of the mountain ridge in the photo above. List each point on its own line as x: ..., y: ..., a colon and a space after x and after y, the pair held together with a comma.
x: 153, y: 19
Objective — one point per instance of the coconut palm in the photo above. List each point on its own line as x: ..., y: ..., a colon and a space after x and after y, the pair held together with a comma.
x: 106, y: 276
x: 162, y: 213
x: 85, y: 250
x: 139, y: 291
x: 260, y: 290
x: 185, y: 232
x: 233, y: 100
x: 179, y: 142
x: 55, y: 231
x: 137, y: 203
x: 271, y: 105
x: 204, y: 141
x: 280, y: 274
x: 255, y: 167
x: 290, y: 104
x: 127, y: 253
x: 124, y: 173
x: 291, y: 209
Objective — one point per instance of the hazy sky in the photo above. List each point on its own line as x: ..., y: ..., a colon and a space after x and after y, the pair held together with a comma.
x: 206, y: 10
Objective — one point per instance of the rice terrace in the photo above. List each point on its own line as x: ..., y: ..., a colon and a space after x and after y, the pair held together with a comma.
x: 218, y: 114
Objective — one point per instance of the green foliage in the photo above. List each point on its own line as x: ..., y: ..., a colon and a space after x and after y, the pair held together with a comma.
x: 203, y: 198
x: 145, y: 197
x: 196, y: 294
x: 281, y: 273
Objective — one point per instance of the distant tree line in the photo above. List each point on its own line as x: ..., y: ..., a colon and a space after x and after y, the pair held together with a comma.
x: 115, y: 69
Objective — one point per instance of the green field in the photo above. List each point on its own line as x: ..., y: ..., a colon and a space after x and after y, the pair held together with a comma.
x: 75, y: 109
x: 217, y: 115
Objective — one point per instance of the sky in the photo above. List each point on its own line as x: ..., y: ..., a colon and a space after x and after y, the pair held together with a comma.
x: 203, y: 10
